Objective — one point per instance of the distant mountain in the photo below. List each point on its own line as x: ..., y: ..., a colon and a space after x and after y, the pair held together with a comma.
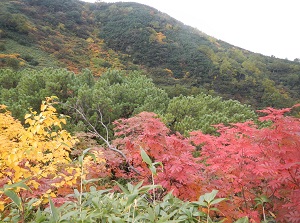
x: 131, y: 36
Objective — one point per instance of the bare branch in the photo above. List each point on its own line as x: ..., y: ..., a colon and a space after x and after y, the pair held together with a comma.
x: 94, y: 131
x: 101, y: 121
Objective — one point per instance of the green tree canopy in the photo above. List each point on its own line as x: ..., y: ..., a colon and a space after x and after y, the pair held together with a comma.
x: 187, y: 113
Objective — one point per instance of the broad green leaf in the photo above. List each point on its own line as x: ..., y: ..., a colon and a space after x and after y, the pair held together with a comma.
x: 200, y: 203
x: 14, y: 197
x: 131, y: 198
x: 201, y: 198
x: 153, y: 170
x: 20, y: 184
x: 148, y: 187
x: 126, y: 191
x: 76, y: 193
x: 70, y: 214
x: 262, y: 199
x: 84, y: 153
x: 93, y: 189
x: 209, y: 197
x: 151, y: 214
x: 138, y: 185
x: 218, y: 200
x: 199, y: 214
x: 130, y: 187
x: 145, y: 157
x: 54, y: 211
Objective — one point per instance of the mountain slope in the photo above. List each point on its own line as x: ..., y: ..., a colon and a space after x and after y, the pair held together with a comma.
x: 130, y: 36
x: 64, y: 31
x: 170, y: 48
x: 153, y: 39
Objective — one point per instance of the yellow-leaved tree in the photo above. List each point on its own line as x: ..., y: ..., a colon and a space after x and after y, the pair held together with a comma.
x: 37, y: 155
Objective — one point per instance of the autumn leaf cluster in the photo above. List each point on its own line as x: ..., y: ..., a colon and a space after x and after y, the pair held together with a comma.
x: 255, y: 168
x: 244, y: 162
x: 38, y: 154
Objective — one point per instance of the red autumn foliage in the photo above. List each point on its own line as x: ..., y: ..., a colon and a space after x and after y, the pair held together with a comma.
x: 181, y: 172
x: 245, y: 162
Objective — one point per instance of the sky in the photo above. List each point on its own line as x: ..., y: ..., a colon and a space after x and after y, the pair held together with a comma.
x: 269, y: 27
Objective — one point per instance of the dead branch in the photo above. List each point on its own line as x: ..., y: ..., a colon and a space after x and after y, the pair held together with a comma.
x: 94, y: 131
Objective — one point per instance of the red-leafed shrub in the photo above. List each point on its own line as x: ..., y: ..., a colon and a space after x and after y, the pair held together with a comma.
x: 246, y: 162
x: 180, y: 172
x: 257, y: 169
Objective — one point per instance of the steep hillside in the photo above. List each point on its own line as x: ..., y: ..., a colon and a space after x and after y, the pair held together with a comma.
x: 171, y: 49
x: 131, y: 36
x: 56, y: 33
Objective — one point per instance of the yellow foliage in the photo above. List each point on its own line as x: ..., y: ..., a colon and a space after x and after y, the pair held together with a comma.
x: 157, y: 37
x: 90, y: 40
x: 2, y: 203
x: 12, y: 56
x: 160, y: 37
x: 40, y: 150
x: 169, y: 72
x: 61, y: 26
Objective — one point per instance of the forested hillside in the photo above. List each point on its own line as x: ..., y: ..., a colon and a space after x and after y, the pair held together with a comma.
x: 119, y: 113
x: 130, y: 36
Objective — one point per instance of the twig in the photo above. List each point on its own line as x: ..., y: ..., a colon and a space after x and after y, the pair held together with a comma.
x: 94, y: 131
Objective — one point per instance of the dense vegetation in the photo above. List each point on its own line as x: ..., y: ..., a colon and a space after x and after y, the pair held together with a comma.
x: 119, y: 113
x: 130, y: 36
x: 116, y: 94
x: 258, y: 176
